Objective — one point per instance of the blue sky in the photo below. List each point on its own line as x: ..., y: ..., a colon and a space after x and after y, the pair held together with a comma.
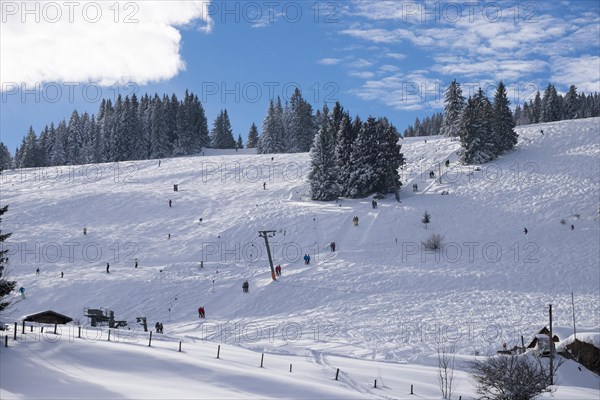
x: 384, y: 58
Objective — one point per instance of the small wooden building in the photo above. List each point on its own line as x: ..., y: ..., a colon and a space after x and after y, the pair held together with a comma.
x: 48, y: 317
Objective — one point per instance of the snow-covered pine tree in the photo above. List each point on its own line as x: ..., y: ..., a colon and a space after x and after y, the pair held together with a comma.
x: 454, y: 102
x: 476, y: 130
x: 536, y: 109
x: 221, y: 134
x: 390, y: 159
x: 29, y: 150
x: 572, y: 106
x: 74, y: 139
x: 550, y: 105
x: 300, y: 127
x: 252, y: 140
x: 503, y: 124
x: 6, y: 286
x: 159, y: 133
x: 343, y: 154
x: 239, y: 144
x: 271, y: 139
x: 5, y: 157
x: 322, y: 177
x: 364, y: 160
x: 59, y: 149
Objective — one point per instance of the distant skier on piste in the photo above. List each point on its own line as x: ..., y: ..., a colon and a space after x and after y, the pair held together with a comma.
x: 201, y: 313
x: 245, y: 286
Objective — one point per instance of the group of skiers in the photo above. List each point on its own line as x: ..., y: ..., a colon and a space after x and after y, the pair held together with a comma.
x: 306, y: 259
x: 201, y: 313
x: 159, y: 327
x: 332, y: 246
x: 355, y: 220
x: 245, y: 287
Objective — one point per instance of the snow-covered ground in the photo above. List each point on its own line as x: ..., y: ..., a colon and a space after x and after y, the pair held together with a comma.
x: 377, y: 307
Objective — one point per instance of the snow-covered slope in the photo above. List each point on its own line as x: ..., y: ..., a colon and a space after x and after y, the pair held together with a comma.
x: 381, y: 296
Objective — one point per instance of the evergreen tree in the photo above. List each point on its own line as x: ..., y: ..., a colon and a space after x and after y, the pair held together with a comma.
x: 6, y: 286
x: 572, y: 107
x: 159, y: 134
x: 222, y: 135
x: 239, y: 144
x: 300, y: 127
x: 5, y: 157
x: 74, y: 140
x: 29, y: 152
x: 476, y: 130
x: 271, y: 139
x: 536, y: 109
x: 59, y: 149
x: 454, y: 102
x: 322, y: 176
x: 426, y: 218
x: 252, y: 140
x: 343, y: 154
x: 550, y: 105
x: 389, y: 159
x: 503, y: 124
x: 364, y: 161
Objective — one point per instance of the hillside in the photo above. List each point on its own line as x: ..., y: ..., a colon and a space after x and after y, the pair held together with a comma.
x: 380, y: 296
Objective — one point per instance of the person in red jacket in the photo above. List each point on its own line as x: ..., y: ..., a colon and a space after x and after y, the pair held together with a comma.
x: 201, y: 312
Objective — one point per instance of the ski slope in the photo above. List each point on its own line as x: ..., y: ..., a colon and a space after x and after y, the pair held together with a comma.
x: 380, y: 300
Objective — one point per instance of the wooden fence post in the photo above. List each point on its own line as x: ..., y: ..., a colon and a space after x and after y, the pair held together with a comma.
x: 180, y: 346
x: 290, y: 367
x: 262, y: 358
x: 79, y: 332
x: 109, y: 335
x: 23, y: 328
x: 150, y: 340
x: 218, y: 351
x: 337, y: 373
x: 375, y: 385
x: 5, y: 340
x: 411, y: 389
x: 15, y: 332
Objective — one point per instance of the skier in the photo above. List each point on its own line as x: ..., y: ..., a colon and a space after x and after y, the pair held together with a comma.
x: 37, y: 271
x: 525, y: 231
x: 355, y: 221
x: 107, y: 268
x: 306, y: 259
x: 157, y: 327
x: 62, y: 274
x: 447, y: 163
x: 572, y: 227
x: 136, y: 263
x: 245, y: 286
x: 201, y: 312
x: 373, y: 204
x: 265, y: 185
x: 170, y: 203
x: 161, y: 328
x: 542, y: 132
x: 84, y: 231
x: 22, y: 291
x: 200, y: 220
x: 169, y: 237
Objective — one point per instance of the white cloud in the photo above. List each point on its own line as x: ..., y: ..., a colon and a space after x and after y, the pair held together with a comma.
x: 100, y: 42
x: 583, y: 72
x: 329, y: 61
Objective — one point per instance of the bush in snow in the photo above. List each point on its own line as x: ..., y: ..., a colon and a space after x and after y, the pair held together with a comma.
x: 511, y: 377
x: 434, y: 242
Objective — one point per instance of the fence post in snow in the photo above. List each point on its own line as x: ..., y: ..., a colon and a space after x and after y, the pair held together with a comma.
x: 79, y: 332
x: 262, y: 358
x: 290, y: 367
x: 15, y: 332
x: 23, y: 328
x: 180, y: 346
x: 150, y: 340
x: 218, y: 351
x: 337, y: 374
x: 109, y: 335
x: 5, y: 340
x: 411, y: 389
x: 375, y: 384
